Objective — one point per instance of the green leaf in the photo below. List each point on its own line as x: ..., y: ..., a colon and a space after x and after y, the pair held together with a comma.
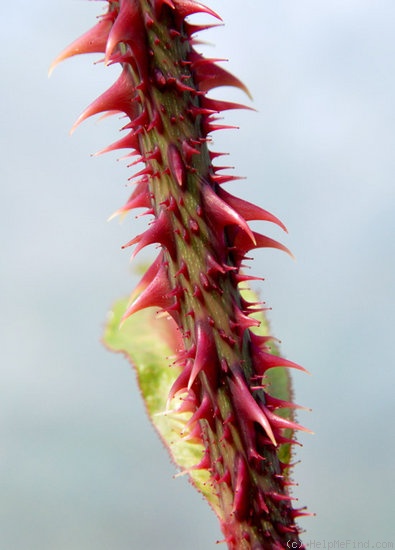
x: 144, y: 340
x: 149, y: 342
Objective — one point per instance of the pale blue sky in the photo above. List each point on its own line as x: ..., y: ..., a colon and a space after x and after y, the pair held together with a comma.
x: 80, y: 467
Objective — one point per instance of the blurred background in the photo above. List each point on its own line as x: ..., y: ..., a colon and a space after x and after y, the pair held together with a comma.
x: 80, y: 466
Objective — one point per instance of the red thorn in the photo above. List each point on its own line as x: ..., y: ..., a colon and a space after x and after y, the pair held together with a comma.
x: 148, y: 276
x: 129, y: 29
x: 180, y: 384
x: 242, y: 244
x: 93, y: 41
x: 194, y: 436
x: 191, y: 29
x: 209, y: 75
x: 217, y: 106
x: 160, y: 231
x: 193, y: 226
x: 117, y: 98
x: 300, y: 512
x: 186, y: 236
x: 183, y: 271
x: 242, y: 278
x: 225, y: 478
x: 220, y: 168
x: 204, y: 411
x: 188, y: 403
x: 188, y: 150
x: 156, y: 122
x: 195, y: 111
x: 205, y: 463
x: 222, y: 214
x: 148, y: 170
x: 248, y: 210
x: 264, y: 361
x: 205, y: 281
x: 176, y: 165
x: 213, y: 155
x: 156, y: 294
x: 130, y: 141
x: 181, y: 87
x: 214, y: 267
x: 137, y: 161
x: 140, y: 198
x: 243, y: 322
x: 206, y: 355
x: 278, y: 497
x: 241, y: 500
x: 276, y: 403
x: 247, y: 407
x: 281, y: 528
x: 159, y: 80
x: 155, y: 154
x: 173, y: 33
x: 221, y: 179
x: 140, y: 120
x: 208, y: 126
x: 282, y: 423
x: 189, y: 7
x: 287, y: 441
x: 224, y: 365
x: 262, y: 503
x: 185, y: 354
x: 197, y: 292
